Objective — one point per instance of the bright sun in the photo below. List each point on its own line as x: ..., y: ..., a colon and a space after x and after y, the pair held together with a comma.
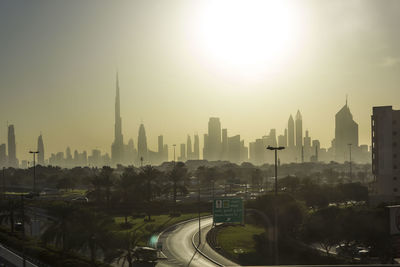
x: 251, y: 36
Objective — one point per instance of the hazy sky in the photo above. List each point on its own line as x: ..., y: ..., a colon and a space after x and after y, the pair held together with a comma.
x: 251, y: 63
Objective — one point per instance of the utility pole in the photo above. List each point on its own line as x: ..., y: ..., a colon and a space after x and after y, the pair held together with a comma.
x: 34, y: 169
x: 351, y: 171
x: 198, y: 180
x: 276, y: 206
x: 23, y: 231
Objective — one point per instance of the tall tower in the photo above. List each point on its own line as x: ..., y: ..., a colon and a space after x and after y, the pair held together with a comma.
x: 117, y: 148
x: 214, y: 139
x: 12, y: 154
x: 196, y: 147
x: 40, y: 148
x: 346, y: 132
x: 142, y: 144
x: 291, y: 132
x: 189, y: 152
x: 299, y: 131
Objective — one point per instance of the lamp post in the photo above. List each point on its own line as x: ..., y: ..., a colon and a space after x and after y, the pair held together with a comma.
x: 275, y: 206
x: 34, y: 169
x: 4, y: 182
x: 198, y: 180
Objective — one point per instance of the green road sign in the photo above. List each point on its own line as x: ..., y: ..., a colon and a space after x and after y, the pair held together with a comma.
x: 228, y: 210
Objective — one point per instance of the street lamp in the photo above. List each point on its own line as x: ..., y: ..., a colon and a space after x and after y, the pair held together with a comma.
x: 34, y: 169
x: 275, y: 208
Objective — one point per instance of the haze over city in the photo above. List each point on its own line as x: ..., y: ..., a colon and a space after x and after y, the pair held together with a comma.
x: 58, y: 74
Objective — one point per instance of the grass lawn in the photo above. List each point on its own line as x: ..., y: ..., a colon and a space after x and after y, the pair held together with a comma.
x: 238, y: 239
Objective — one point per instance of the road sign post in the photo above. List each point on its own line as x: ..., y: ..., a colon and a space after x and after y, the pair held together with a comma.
x: 228, y: 210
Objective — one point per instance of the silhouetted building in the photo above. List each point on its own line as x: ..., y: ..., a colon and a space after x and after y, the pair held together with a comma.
x: 224, y: 145
x: 291, y: 132
x: 12, y: 154
x: 183, y: 153
x: 385, y: 124
x: 205, y: 147
x: 40, y: 148
x: 346, y: 132
x: 130, y: 153
x: 244, y: 152
x: 307, y: 147
x: 117, y: 148
x: 299, y: 132
x: 189, y: 151
x: 3, y: 155
x: 214, y: 139
x: 234, y: 148
x: 196, y: 148
x: 142, y: 144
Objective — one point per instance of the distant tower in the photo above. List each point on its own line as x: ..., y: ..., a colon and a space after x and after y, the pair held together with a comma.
x: 12, y: 154
x: 196, y: 152
x: 291, y: 132
x: 299, y: 130
x: 117, y: 148
x: 214, y: 139
x: 189, y: 152
x: 346, y: 132
x: 40, y: 148
x: 142, y: 144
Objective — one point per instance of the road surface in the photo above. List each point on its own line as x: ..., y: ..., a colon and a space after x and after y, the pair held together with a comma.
x: 177, y: 245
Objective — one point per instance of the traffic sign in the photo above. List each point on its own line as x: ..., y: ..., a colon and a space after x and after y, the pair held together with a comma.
x: 228, y: 210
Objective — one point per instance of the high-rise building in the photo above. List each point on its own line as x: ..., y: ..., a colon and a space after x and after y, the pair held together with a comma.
x: 291, y: 132
x: 196, y: 147
x: 214, y: 139
x: 307, y: 147
x: 189, y: 148
x: 234, y: 148
x: 346, y: 132
x: 165, y: 153
x: 142, y: 145
x: 3, y: 155
x: 40, y: 149
x: 12, y: 154
x: 224, y: 147
x: 244, y: 152
x: 183, y: 153
x: 117, y: 147
x: 206, y: 152
x: 299, y: 131
x: 385, y: 124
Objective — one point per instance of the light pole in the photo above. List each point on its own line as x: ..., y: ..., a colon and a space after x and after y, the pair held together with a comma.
x: 4, y: 182
x: 198, y: 180
x: 34, y: 169
x: 351, y: 171
x: 276, y: 206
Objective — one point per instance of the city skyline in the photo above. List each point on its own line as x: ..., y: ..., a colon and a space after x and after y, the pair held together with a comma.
x: 177, y: 84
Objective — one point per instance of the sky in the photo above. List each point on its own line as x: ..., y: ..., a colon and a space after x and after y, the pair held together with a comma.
x: 250, y: 63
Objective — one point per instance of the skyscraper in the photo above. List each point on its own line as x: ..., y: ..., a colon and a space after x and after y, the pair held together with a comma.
x: 183, y: 153
x: 189, y: 148
x: 12, y: 154
x: 161, y: 148
x: 214, y: 139
x: 385, y: 124
x: 224, y: 146
x: 291, y: 132
x: 346, y: 132
x: 142, y: 144
x: 40, y: 148
x: 299, y: 131
x: 117, y: 148
x: 196, y: 147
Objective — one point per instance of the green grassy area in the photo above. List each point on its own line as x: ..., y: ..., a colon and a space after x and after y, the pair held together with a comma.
x: 236, y: 240
x: 156, y: 225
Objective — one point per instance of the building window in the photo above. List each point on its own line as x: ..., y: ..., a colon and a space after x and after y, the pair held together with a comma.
x: 395, y: 189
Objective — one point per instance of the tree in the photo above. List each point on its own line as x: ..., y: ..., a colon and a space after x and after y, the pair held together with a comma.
x: 124, y: 186
x: 176, y: 177
x: 148, y: 177
x: 127, y: 241
x: 60, y: 229
x: 107, y: 182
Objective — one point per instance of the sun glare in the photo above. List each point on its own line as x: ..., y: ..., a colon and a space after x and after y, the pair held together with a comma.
x: 251, y: 36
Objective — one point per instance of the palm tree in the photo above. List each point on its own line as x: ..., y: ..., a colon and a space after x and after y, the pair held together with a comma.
x: 177, y: 177
x: 149, y: 176
x: 124, y: 187
x: 127, y: 242
x: 107, y: 182
x: 60, y: 229
x: 92, y: 231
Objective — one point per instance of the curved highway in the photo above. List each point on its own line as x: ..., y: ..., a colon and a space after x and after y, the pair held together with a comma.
x: 177, y: 245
